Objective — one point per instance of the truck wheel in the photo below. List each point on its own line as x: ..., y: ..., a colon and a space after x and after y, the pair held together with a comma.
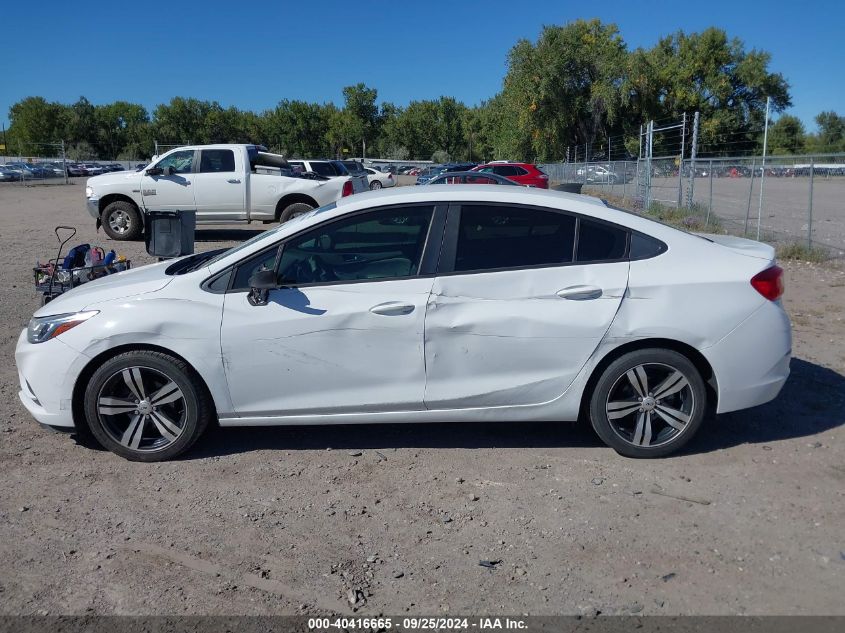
x: 121, y: 221
x: 293, y: 210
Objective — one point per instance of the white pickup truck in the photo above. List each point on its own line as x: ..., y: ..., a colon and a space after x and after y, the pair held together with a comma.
x: 222, y: 183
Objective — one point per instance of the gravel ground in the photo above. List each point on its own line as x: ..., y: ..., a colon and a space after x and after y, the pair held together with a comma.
x: 395, y: 519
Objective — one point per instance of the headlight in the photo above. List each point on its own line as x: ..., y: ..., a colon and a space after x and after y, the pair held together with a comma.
x: 42, y: 329
x: 89, y: 191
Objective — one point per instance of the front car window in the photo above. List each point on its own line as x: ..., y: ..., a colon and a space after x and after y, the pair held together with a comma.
x: 181, y: 161
x: 383, y: 244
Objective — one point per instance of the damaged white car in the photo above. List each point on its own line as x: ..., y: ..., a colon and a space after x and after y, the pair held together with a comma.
x: 426, y: 304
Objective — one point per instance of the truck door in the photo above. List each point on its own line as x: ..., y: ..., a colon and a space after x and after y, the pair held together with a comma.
x: 174, y: 192
x: 220, y: 185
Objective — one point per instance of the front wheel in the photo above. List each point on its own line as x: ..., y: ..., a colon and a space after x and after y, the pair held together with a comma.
x: 648, y: 403
x: 146, y: 406
x: 122, y: 221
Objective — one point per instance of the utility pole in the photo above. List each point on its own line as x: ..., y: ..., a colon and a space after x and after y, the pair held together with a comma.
x: 693, y: 151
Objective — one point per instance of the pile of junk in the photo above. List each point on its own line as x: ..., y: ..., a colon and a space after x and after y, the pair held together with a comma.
x: 81, y: 264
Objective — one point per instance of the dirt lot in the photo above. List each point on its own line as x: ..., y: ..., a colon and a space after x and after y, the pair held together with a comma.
x: 275, y: 521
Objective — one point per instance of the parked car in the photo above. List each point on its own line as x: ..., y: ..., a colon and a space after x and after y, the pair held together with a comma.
x: 331, y: 169
x: 21, y: 169
x: 75, y: 170
x: 8, y: 175
x: 523, y: 305
x: 219, y: 182
x: 599, y: 174
x: 470, y: 178
x: 91, y: 169
x: 379, y: 179
x: 428, y: 173
x: 522, y: 173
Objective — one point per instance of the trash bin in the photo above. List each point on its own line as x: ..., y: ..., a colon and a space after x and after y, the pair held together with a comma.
x: 170, y: 233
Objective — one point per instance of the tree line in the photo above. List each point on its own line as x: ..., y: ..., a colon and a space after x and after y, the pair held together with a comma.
x: 577, y: 85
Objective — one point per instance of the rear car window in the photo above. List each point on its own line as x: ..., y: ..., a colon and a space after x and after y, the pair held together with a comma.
x: 492, y: 237
x: 600, y: 242
x: 324, y: 169
x: 217, y: 160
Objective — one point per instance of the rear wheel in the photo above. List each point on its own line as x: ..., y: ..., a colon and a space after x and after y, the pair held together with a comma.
x: 122, y: 221
x: 146, y: 406
x: 648, y: 403
x: 293, y: 210
x: 375, y: 185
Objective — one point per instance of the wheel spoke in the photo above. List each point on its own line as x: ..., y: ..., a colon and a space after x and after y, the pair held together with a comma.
x: 674, y: 418
x: 132, y: 378
x: 672, y: 385
x: 167, y: 394
x: 642, y: 434
x: 113, y: 406
x: 639, y: 381
x: 165, y: 426
x: 620, y: 409
x: 133, y: 433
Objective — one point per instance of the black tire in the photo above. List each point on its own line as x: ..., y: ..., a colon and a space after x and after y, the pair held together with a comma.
x: 375, y: 185
x: 122, y: 221
x: 293, y: 210
x: 640, y: 428
x: 193, y: 406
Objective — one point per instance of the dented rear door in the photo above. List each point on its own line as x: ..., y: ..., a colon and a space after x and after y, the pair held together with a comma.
x: 516, y: 334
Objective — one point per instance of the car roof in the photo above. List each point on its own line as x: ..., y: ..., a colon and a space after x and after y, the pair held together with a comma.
x: 445, y: 194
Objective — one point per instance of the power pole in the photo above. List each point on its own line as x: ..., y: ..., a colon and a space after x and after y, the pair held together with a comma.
x: 763, y: 173
x: 681, y: 162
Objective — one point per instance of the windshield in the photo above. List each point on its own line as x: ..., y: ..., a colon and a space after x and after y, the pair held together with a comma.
x: 268, y: 235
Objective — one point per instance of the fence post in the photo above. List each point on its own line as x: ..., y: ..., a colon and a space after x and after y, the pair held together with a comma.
x: 64, y: 160
x: 810, y: 206
x: 693, y: 151
x: 750, y: 193
x: 681, y: 162
x: 710, y: 202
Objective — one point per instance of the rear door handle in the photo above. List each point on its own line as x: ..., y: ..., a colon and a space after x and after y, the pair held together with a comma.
x: 234, y: 181
x: 580, y: 293
x: 392, y: 308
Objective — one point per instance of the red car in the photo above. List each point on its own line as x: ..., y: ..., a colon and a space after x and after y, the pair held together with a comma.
x: 522, y: 173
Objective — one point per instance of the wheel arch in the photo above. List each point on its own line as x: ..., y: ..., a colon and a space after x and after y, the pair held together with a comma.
x: 695, y: 357
x: 292, y: 198
x: 118, y: 197
x: 78, y: 396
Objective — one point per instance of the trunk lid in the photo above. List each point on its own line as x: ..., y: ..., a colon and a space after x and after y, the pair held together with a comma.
x: 743, y: 246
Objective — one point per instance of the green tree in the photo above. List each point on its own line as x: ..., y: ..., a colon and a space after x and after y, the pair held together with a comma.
x: 35, y: 120
x: 361, y: 119
x: 831, y: 134
x: 786, y: 135
x: 122, y: 129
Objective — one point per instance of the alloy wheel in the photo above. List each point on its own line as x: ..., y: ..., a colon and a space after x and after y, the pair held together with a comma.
x: 142, y: 409
x: 650, y: 405
x: 119, y: 221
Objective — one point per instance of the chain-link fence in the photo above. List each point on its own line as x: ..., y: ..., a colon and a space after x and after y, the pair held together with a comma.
x: 795, y: 199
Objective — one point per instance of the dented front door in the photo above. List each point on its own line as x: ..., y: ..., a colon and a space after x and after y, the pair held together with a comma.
x: 516, y: 337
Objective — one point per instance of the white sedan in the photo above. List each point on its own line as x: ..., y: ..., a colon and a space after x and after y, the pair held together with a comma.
x: 379, y: 179
x: 421, y: 304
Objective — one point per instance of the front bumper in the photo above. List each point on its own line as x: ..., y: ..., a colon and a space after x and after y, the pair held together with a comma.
x: 93, y: 205
x: 47, y: 373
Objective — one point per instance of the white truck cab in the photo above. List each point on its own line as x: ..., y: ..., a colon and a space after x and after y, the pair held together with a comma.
x: 222, y: 183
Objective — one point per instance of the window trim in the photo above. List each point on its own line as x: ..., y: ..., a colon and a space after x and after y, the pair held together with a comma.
x: 446, y: 265
x: 428, y: 260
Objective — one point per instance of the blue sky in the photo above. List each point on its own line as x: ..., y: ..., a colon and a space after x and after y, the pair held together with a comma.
x: 253, y: 54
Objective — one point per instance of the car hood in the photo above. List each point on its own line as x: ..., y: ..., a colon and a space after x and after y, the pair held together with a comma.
x: 742, y: 246
x: 129, y: 283
x: 110, y: 178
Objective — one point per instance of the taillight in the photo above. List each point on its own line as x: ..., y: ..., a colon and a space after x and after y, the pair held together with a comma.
x: 347, y: 189
x: 769, y: 283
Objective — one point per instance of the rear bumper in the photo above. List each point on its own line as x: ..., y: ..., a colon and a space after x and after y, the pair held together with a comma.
x: 751, y: 364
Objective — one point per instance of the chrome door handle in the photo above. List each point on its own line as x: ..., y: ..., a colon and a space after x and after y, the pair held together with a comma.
x: 392, y: 308
x: 234, y: 181
x: 580, y: 293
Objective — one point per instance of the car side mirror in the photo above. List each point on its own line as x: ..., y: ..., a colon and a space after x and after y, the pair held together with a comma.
x: 260, y: 285
x: 154, y: 171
